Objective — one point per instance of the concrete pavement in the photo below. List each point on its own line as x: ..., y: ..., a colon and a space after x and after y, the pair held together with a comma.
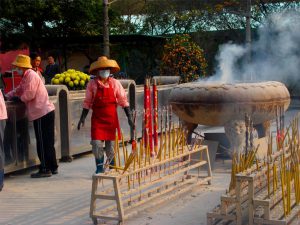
x: 65, y: 198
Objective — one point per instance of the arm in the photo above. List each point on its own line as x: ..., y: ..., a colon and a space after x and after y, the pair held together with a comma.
x: 26, y: 90
x: 84, y: 113
x: 121, y: 95
x: 87, y: 104
x: 129, y: 115
x: 123, y: 102
x: 30, y: 85
x: 89, y: 94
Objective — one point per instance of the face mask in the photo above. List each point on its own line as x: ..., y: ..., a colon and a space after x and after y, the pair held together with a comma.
x: 104, y: 73
x: 19, y: 71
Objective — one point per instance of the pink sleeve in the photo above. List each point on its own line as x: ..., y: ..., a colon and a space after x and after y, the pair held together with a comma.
x: 10, y: 94
x: 30, y: 85
x: 89, y: 96
x: 18, y: 91
x: 121, y: 94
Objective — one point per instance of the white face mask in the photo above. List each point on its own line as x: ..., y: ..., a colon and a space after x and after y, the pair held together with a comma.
x: 104, y: 73
x: 18, y: 70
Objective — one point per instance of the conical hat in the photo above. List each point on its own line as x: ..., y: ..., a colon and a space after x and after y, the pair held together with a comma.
x: 104, y: 62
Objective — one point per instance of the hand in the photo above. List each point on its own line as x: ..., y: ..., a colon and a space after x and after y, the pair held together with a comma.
x: 132, y: 131
x: 82, y: 118
x: 133, y: 144
x: 15, y: 99
x: 129, y: 117
x: 80, y: 123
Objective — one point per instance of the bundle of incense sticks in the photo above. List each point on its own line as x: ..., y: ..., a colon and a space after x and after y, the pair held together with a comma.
x: 172, y: 142
x: 148, y: 114
x: 155, y: 116
x: 281, y: 167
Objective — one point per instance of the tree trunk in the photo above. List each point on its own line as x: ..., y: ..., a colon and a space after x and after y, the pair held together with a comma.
x: 105, y: 29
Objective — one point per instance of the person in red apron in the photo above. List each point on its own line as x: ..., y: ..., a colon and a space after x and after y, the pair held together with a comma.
x: 103, y: 95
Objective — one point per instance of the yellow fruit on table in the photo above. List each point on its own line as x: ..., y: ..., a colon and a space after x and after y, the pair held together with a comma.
x: 71, y: 70
x: 61, y: 80
x: 75, y: 80
x: 56, y: 81
x: 71, y: 84
x: 73, y: 76
x: 82, y: 83
x: 67, y: 80
x: 82, y: 77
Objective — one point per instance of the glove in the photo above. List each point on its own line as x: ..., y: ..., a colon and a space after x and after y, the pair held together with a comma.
x: 129, y: 116
x: 130, y: 122
x: 15, y: 99
x: 82, y: 118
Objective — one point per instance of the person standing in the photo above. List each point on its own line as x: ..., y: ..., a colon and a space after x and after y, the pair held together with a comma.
x: 36, y: 62
x: 40, y: 110
x: 3, y: 117
x: 103, y: 94
x: 51, y: 69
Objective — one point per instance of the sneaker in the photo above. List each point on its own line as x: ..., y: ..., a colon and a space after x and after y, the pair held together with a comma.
x: 54, y: 171
x: 41, y: 174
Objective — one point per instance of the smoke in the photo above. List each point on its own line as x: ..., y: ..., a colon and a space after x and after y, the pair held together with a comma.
x: 275, y: 55
x: 228, y: 59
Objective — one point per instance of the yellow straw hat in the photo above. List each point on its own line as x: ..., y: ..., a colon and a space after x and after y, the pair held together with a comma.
x: 22, y: 61
x: 104, y: 62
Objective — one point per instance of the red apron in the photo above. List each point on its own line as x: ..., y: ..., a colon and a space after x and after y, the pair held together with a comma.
x: 105, y: 117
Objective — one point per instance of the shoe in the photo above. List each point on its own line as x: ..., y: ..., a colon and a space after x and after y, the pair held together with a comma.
x: 99, y: 169
x: 54, y: 171
x: 41, y: 174
x: 99, y: 165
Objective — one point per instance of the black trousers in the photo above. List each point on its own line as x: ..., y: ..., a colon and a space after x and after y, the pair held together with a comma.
x: 44, y: 133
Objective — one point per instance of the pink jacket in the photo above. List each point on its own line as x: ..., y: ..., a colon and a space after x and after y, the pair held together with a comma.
x: 91, y: 90
x: 33, y: 93
x: 3, y: 112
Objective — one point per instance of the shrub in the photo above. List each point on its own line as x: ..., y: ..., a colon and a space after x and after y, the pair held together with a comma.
x: 184, y: 58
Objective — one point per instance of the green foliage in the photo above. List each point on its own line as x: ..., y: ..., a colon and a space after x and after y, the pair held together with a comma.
x: 46, y: 18
x: 161, y: 17
x: 183, y: 58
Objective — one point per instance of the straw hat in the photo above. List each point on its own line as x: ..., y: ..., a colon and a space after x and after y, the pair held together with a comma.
x: 104, y: 62
x: 22, y: 61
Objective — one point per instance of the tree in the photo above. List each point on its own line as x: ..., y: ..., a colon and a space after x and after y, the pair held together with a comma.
x: 161, y: 17
x: 183, y: 58
x: 47, y: 18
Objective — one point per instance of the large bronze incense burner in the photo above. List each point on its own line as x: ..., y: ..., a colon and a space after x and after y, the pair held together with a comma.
x: 220, y: 104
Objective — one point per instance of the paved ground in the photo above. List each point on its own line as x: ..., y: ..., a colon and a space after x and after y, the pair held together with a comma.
x: 64, y: 198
